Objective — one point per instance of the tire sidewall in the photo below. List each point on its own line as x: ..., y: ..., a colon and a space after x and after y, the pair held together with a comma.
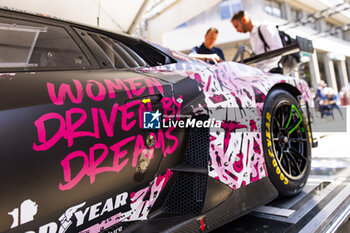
x: 285, y: 185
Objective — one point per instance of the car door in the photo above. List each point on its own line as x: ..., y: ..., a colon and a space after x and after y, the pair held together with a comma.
x: 74, y: 148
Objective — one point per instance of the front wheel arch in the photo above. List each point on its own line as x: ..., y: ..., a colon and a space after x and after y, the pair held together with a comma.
x: 287, y: 87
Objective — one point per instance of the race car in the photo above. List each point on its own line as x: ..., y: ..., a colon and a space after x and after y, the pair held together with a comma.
x: 104, y: 132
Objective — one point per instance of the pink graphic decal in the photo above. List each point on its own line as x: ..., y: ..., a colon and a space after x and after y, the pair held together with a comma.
x: 233, y: 171
x: 246, y: 163
x: 173, y: 141
x: 109, y: 124
x: 259, y: 95
x: 208, y: 85
x: 169, y: 110
x: 139, y: 205
x: 128, y: 114
x: 171, y: 148
x: 255, y: 172
x: 120, y: 154
x: 238, y: 164
x: 234, y: 93
x: 101, y: 90
x: 230, y: 127
x: 217, y: 98
x: 40, y: 125
x: 71, y: 127
x: 212, y: 138
x: 306, y: 94
x: 136, y: 86
x: 67, y: 170
x: 237, y: 94
x: 91, y: 162
x: 133, y: 87
x: 197, y: 77
x: 116, y: 85
x: 93, y: 169
x: 256, y: 147
x: 64, y: 90
x: 252, y: 126
x: 239, y: 104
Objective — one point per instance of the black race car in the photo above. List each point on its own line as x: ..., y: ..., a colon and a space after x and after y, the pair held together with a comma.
x: 106, y: 132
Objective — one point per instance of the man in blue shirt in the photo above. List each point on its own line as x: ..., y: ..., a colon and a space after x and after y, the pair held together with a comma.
x: 206, y: 51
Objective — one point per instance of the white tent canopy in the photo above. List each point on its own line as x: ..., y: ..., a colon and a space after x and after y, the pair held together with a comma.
x: 114, y: 15
x: 118, y: 15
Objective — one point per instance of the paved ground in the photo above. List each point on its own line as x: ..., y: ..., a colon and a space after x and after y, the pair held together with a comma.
x: 334, y: 137
x: 332, y: 156
x: 333, y: 151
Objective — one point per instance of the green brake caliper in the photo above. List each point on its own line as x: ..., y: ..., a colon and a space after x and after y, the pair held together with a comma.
x: 290, y: 117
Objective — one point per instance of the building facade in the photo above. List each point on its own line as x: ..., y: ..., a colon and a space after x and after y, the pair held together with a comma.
x: 325, y: 22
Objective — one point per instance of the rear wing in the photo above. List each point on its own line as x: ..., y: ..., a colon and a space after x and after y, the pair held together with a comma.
x: 300, y: 45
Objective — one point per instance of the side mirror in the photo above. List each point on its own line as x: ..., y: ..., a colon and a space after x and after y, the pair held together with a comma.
x: 305, y: 45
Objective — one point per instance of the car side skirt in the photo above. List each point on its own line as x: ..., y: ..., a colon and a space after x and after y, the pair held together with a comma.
x: 238, y: 203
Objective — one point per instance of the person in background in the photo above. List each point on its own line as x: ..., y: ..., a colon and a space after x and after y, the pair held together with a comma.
x: 206, y: 51
x: 319, y: 94
x: 342, y: 96
x: 320, y: 89
x: 329, y: 101
x: 243, y: 24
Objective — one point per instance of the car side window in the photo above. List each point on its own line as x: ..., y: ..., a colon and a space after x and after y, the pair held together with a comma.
x: 118, y: 53
x: 125, y: 52
x: 33, y: 46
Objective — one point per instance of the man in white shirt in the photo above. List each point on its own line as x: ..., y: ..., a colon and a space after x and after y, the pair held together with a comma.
x: 243, y: 24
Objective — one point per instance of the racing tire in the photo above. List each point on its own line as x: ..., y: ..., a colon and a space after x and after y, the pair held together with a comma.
x: 286, y: 140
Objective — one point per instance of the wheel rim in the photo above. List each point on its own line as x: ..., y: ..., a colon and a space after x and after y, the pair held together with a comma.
x: 289, y: 140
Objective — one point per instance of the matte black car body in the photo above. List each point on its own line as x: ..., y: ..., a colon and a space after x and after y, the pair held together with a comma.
x: 75, y: 154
